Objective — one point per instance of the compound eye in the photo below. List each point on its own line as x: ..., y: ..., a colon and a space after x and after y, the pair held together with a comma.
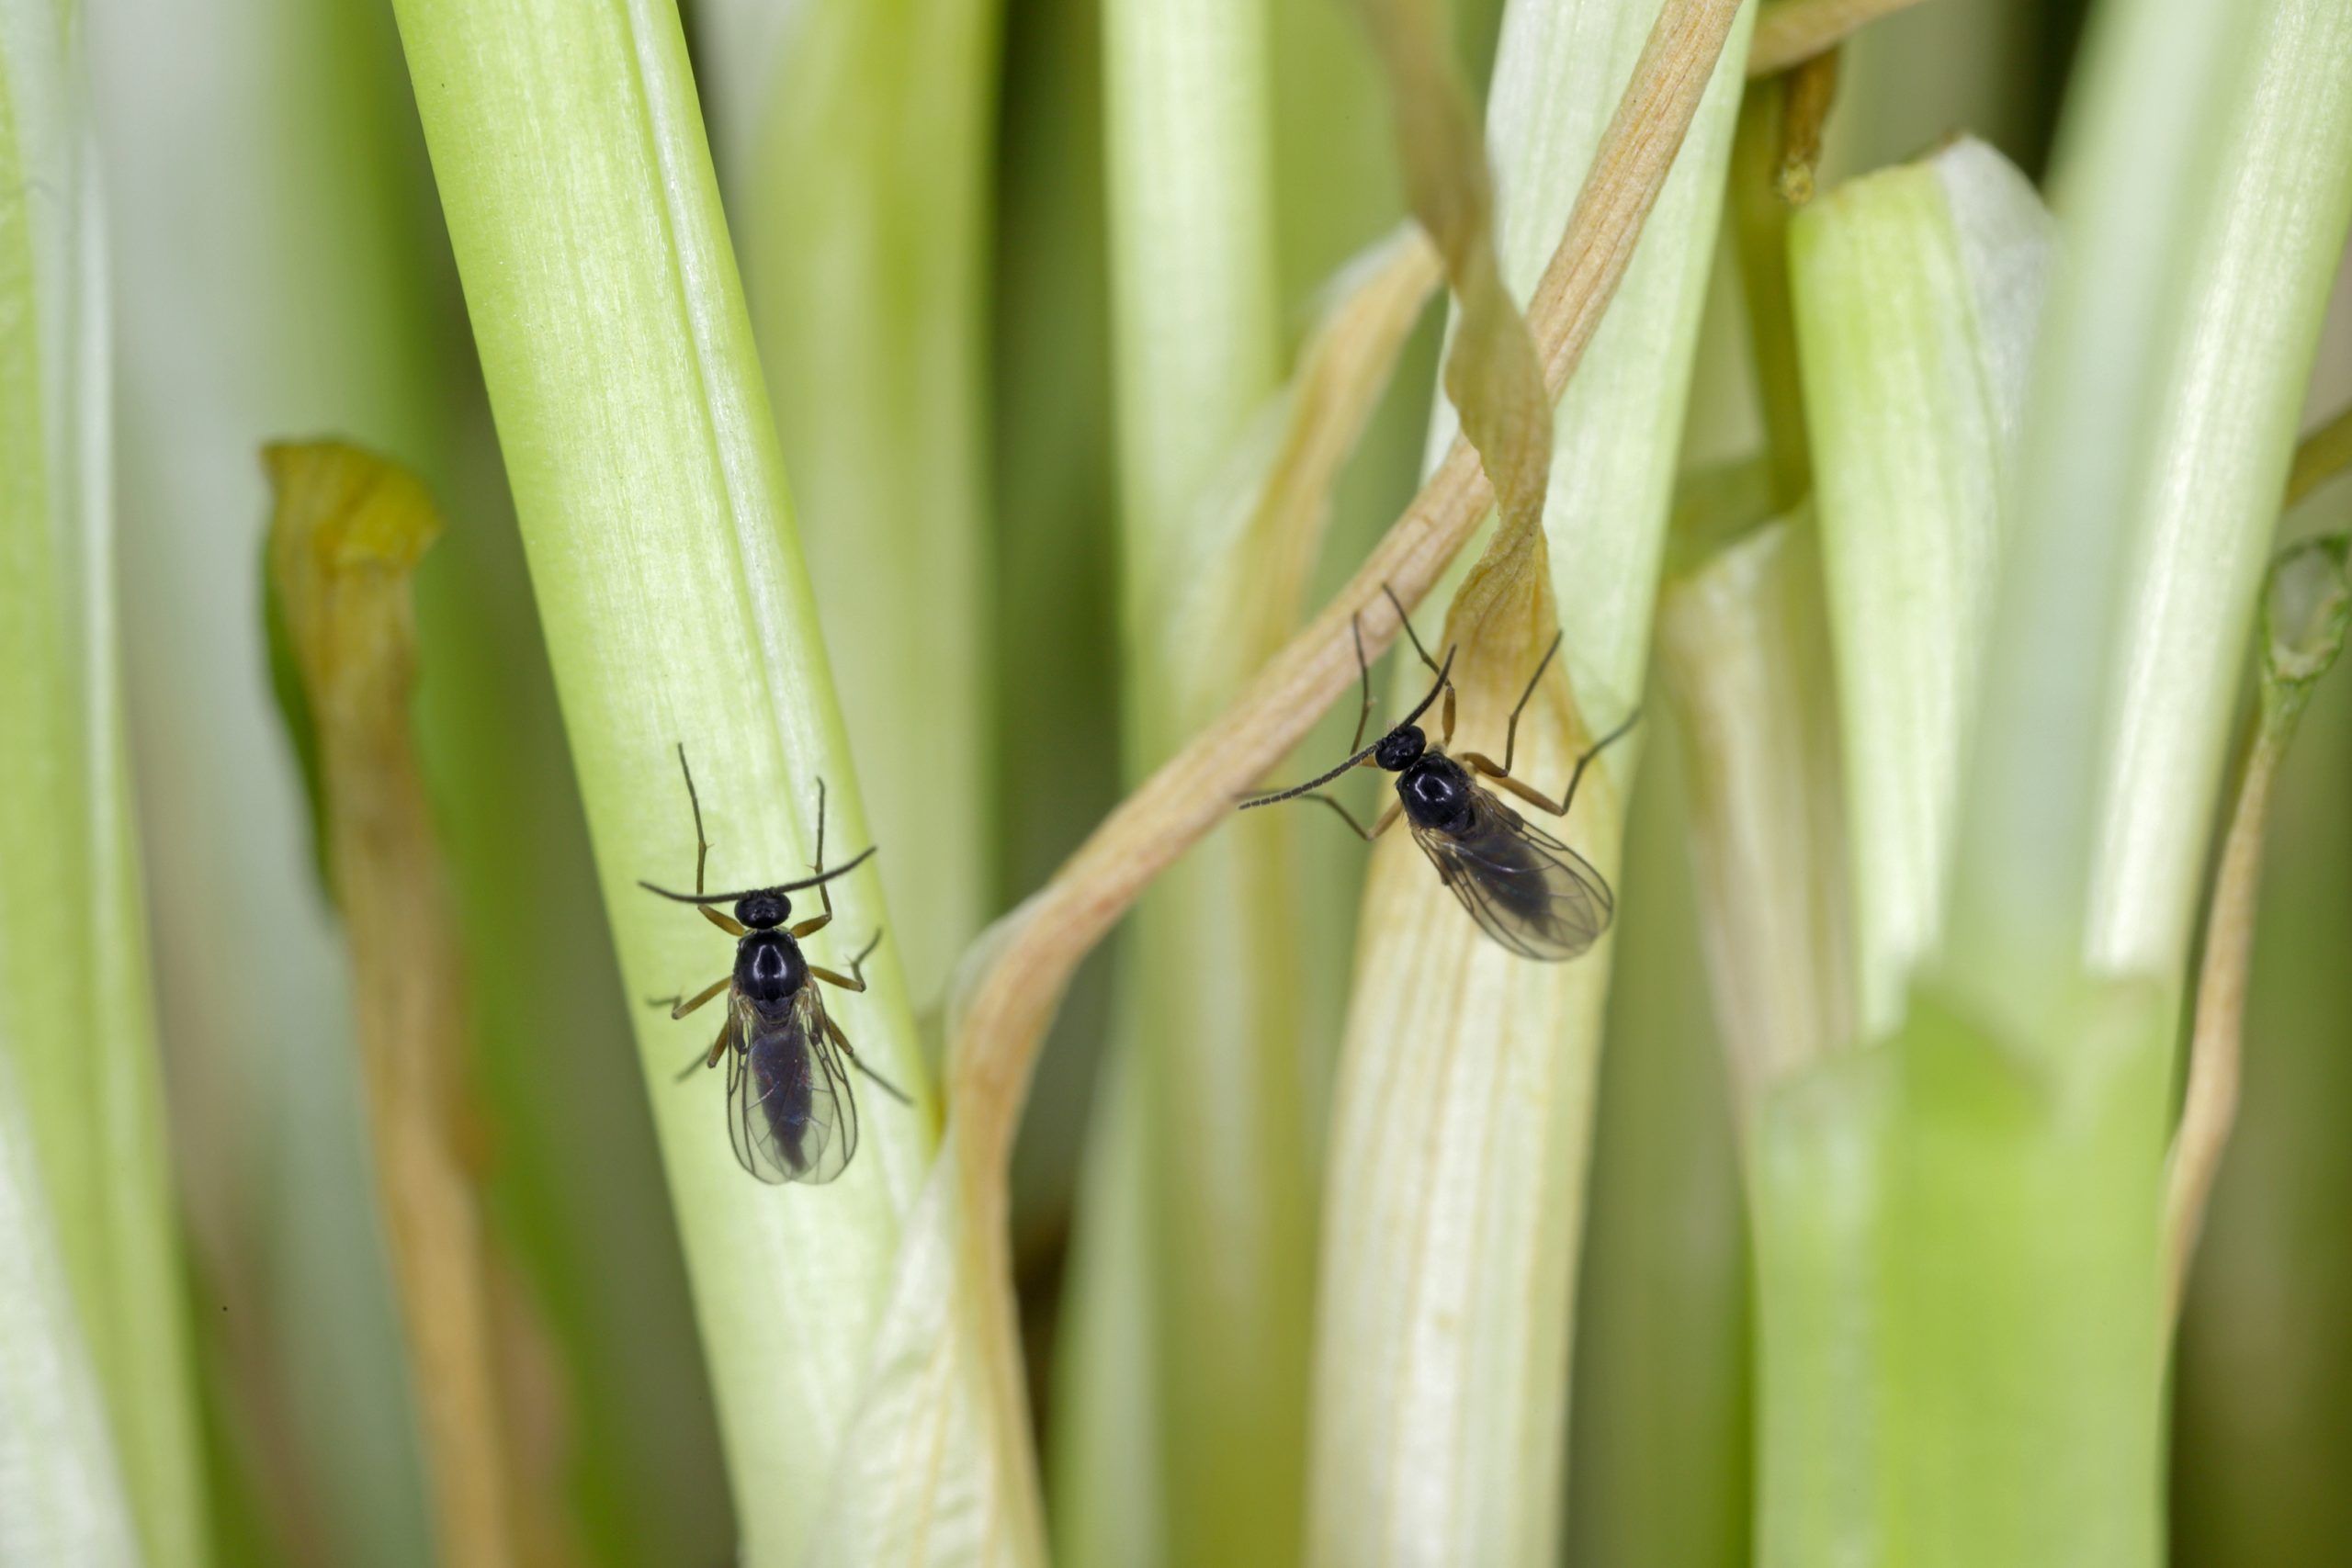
x: 762, y: 910
x: 1398, y: 747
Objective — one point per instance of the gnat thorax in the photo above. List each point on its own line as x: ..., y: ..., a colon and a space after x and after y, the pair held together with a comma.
x: 1437, y: 793
x: 769, y: 969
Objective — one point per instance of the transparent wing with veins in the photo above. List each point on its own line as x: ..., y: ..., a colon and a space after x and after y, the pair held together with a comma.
x: 1526, y: 889
x: 790, y: 1113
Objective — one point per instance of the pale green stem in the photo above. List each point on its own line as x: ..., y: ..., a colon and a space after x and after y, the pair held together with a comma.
x: 1461, y: 1121
x: 856, y: 138
x: 1743, y: 649
x: 2306, y: 612
x: 1760, y: 217
x: 1559, y: 68
x: 1957, y: 1300
x: 1957, y: 1255
x: 1189, y: 145
x: 84, y: 1122
x: 577, y: 183
x: 2259, y: 1436
x: 2202, y: 176
x: 2222, y: 434
x: 308, y: 312
x: 1951, y: 1257
x: 62, y: 1495
x: 1918, y: 290
x: 1194, y: 319
x: 1105, y: 1489
x: 328, y: 307
x: 1660, y: 1464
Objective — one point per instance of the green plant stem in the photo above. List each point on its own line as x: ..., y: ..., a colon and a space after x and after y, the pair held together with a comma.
x: 1760, y: 227
x: 1951, y: 1261
x: 310, y: 311
x: 1917, y: 293
x: 859, y: 166
x: 1958, y: 1246
x: 1195, y: 318
x: 2307, y: 609
x: 1744, y: 648
x: 76, y: 1021
x: 1453, y: 1207
x: 1660, y: 1462
x: 2223, y: 421
x: 2259, y: 1436
x: 2201, y: 189
x: 1011, y: 986
x: 1057, y: 610
x: 578, y: 188
x: 1196, y: 352
x: 62, y: 1497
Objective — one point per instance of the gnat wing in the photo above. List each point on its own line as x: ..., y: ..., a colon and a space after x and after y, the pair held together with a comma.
x: 1526, y: 889
x: 789, y: 1112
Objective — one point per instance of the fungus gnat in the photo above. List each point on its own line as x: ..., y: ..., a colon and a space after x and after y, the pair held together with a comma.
x: 1526, y: 889
x: 790, y: 1113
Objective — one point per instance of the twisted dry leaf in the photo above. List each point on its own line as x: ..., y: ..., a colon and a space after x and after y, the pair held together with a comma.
x: 1015, y: 977
x: 923, y: 1392
x: 1492, y: 372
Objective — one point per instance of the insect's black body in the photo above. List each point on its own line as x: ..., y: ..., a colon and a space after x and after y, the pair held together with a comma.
x: 769, y: 970
x: 783, y: 1105
x: 790, y: 1113
x: 1435, y: 790
x: 1526, y: 889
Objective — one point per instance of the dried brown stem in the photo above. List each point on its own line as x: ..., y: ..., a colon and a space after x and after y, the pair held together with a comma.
x: 1790, y: 32
x: 2209, y: 1104
x: 2307, y: 611
x: 1759, y: 218
x: 1008, y: 1003
x: 1813, y: 89
x: 348, y: 531
x: 1490, y: 372
x: 1017, y: 977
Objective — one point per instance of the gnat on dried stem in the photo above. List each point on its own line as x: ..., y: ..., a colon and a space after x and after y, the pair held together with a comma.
x: 1016, y: 977
x: 1006, y: 1004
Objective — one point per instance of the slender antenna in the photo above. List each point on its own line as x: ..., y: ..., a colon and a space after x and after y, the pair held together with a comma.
x: 1363, y: 676
x: 1419, y: 708
x: 842, y: 870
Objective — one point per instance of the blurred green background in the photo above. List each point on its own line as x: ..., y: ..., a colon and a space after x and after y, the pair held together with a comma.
x: 279, y: 270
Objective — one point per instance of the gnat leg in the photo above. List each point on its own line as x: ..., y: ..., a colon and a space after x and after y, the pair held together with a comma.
x: 704, y: 1059
x: 1388, y: 818
x: 841, y: 1040
x: 1501, y: 775
x: 680, y: 1009
x: 815, y: 923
